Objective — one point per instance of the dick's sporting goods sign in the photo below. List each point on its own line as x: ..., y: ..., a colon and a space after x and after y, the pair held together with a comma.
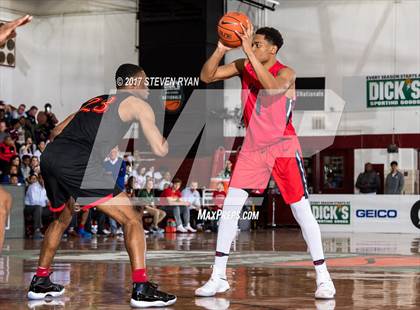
x: 331, y: 212
x: 393, y: 90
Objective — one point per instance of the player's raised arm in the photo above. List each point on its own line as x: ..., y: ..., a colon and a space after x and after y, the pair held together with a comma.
x: 212, y: 72
x: 8, y: 30
x: 146, y: 117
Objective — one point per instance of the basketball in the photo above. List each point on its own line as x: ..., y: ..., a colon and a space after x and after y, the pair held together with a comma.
x: 228, y: 24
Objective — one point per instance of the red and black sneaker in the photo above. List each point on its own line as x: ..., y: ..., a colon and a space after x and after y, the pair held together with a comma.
x: 42, y: 287
x: 147, y: 295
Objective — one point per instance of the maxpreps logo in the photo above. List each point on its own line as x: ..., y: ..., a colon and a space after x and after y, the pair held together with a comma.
x: 372, y: 213
x: 331, y: 212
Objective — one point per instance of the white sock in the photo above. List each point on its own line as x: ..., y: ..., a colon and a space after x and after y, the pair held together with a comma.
x: 233, y: 203
x: 310, y: 231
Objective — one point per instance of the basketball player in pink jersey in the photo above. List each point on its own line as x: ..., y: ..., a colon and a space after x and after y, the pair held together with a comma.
x: 271, y: 147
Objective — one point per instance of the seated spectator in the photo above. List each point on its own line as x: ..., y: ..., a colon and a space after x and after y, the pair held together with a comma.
x: 25, y: 167
x: 226, y: 173
x: 140, y: 175
x: 13, y: 171
x: 41, y: 131
x: 150, y: 172
x: 166, y: 181
x: 191, y: 195
x: 35, y: 168
x: 17, y: 133
x: 31, y: 115
x: 3, y: 131
x: 394, y: 182
x: 7, y: 151
x: 219, y: 196
x: 175, y: 206
x: 28, y: 148
x: 14, y: 180
x: 36, y: 203
x: 19, y: 112
x: 132, y: 188
x: 147, y: 199
x: 40, y: 149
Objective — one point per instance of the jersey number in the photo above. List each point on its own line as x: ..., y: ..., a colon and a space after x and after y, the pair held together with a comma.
x: 100, y: 105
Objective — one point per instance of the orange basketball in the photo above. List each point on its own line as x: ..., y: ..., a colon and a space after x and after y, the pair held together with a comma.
x: 228, y: 24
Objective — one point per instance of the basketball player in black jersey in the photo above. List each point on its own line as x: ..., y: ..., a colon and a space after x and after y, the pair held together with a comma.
x: 72, y: 168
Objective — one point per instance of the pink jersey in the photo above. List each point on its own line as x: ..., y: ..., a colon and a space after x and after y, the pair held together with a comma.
x: 268, y: 119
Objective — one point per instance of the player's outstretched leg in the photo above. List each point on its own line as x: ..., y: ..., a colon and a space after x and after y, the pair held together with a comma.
x: 144, y: 293
x: 41, y: 285
x: 312, y: 235
x: 233, y: 204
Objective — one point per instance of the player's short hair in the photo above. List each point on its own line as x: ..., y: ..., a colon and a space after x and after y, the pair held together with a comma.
x: 125, y: 71
x: 394, y: 163
x: 272, y: 35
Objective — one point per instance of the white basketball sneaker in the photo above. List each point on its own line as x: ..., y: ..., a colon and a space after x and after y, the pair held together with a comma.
x: 216, y: 284
x: 325, y: 288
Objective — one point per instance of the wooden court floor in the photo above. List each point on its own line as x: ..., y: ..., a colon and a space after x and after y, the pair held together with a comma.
x: 269, y: 269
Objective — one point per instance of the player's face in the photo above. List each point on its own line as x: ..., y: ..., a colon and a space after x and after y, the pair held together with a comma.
x: 140, y: 87
x: 263, y: 50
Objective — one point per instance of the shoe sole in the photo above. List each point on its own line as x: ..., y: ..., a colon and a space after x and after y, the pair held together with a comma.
x: 210, y: 294
x: 147, y: 304
x: 36, y: 296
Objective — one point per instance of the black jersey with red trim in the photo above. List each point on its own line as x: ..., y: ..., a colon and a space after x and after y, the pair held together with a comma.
x: 94, y: 130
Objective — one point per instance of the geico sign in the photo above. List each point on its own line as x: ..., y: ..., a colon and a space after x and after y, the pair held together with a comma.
x: 376, y: 213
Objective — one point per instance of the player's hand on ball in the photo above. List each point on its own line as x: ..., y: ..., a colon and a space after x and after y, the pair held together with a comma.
x: 246, y: 37
x: 223, y: 47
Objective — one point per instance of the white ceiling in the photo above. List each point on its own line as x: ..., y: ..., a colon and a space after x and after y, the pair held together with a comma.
x: 59, y: 7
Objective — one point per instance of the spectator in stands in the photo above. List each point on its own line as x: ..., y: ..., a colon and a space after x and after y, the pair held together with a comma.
x: 19, y: 112
x: 150, y: 172
x: 14, y: 180
x: 7, y: 151
x: 28, y: 148
x: 40, y: 149
x: 394, y: 182
x: 52, y: 121
x: 13, y: 171
x: 35, y: 168
x: 41, y: 131
x: 25, y: 167
x: 147, y: 199
x: 31, y: 115
x: 115, y: 166
x: 140, y: 175
x: 3, y: 131
x: 36, y: 202
x: 166, y: 181
x: 177, y: 207
x: 219, y: 196
x: 191, y: 195
x: 226, y: 173
x: 131, y: 188
x: 17, y: 133
x: 368, y: 182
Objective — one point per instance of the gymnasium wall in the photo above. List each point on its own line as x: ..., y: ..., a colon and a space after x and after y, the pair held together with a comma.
x: 67, y: 59
x: 322, y: 38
